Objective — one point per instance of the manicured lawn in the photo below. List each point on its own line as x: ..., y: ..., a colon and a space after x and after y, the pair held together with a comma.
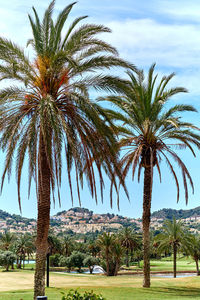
x: 119, y: 288
x: 17, y: 285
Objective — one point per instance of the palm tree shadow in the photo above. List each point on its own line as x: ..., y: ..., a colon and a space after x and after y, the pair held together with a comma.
x: 176, y: 291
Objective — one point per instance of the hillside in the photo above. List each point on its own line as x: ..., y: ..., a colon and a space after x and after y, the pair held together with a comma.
x: 82, y: 220
x: 168, y: 213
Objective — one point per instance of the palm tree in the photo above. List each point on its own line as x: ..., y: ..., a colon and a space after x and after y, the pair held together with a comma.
x: 152, y: 133
x: 105, y: 241
x: 194, y: 250
x: 23, y: 247
x: 129, y: 241
x: 173, y: 237
x: 7, y: 240
x: 50, y: 113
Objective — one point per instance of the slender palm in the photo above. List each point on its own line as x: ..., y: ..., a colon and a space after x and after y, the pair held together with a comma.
x: 173, y: 237
x: 129, y: 241
x: 194, y: 250
x: 49, y: 113
x: 105, y: 242
x: 24, y: 246
x: 152, y: 133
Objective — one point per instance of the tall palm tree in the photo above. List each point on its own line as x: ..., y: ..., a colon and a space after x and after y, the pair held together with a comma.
x: 50, y: 113
x: 128, y: 240
x: 173, y: 237
x: 152, y: 133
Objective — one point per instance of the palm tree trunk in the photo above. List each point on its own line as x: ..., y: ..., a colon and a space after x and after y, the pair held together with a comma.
x: 174, y: 252
x: 42, y: 219
x: 127, y: 259
x: 147, y: 192
x: 116, y: 268
x: 107, y: 264
x: 197, y: 266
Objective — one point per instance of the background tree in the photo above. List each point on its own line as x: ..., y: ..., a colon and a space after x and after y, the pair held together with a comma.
x: 111, y: 251
x: 153, y: 131
x: 7, y: 258
x: 105, y: 242
x: 194, y: 250
x: 173, y: 236
x: 23, y: 247
x: 129, y: 241
x: 77, y: 259
x: 7, y: 239
x: 49, y: 113
x: 90, y: 262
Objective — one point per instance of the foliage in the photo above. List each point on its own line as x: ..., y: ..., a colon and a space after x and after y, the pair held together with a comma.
x: 75, y: 295
x: 77, y: 259
x: 7, y: 258
x: 54, y: 260
x: 111, y: 252
x: 90, y: 262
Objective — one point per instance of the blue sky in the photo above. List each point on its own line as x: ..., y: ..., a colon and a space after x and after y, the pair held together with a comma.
x: 165, y: 32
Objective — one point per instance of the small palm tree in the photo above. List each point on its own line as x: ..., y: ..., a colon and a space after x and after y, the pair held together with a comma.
x: 23, y: 247
x: 153, y: 132
x: 105, y: 242
x: 7, y: 240
x: 49, y: 115
x: 194, y: 250
x: 129, y: 241
x: 174, y: 237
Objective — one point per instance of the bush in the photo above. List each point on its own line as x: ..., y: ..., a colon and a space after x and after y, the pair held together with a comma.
x: 90, y: 262
x: 65, y: 262
x: 54, y: 260
x: 7, y: 258
x: 75, y: 295
x: 77, y: 259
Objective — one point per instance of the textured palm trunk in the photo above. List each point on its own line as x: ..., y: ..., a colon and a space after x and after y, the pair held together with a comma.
x: 107, y: 264
x: 147, y: 192
x: 175, y: 253
x: 42, y: 220
x: 127, y: 259
x: 197, y: 266
x: 116, y: 268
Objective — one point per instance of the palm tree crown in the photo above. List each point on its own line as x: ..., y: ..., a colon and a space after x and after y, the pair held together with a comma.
x: 153, y: 132
x: 52, y: 101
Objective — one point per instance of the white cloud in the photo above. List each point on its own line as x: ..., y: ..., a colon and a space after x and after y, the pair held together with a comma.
x: 187, y: 11
x: 146, y: 40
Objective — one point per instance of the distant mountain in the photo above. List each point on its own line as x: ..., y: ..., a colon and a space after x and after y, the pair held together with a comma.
x: 168, y: 213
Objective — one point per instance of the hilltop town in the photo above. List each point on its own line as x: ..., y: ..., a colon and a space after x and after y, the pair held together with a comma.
x: 82, y: 220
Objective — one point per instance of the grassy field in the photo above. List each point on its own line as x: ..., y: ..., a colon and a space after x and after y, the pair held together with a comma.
x: 17, y: 285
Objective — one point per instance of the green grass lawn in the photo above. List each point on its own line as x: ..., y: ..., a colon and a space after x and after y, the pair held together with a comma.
x: 168, y: 292
x: 17, y: 285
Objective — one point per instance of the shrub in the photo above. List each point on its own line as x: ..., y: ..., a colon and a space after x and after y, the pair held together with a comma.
x: 65, y: 262
x: 90, y: 262
x: 75, y: 295
x: 54, y: 260
x: 7, y: 258
x: 77, y: 259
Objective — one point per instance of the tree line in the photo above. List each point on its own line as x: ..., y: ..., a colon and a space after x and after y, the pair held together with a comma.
x: 109, y: 250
